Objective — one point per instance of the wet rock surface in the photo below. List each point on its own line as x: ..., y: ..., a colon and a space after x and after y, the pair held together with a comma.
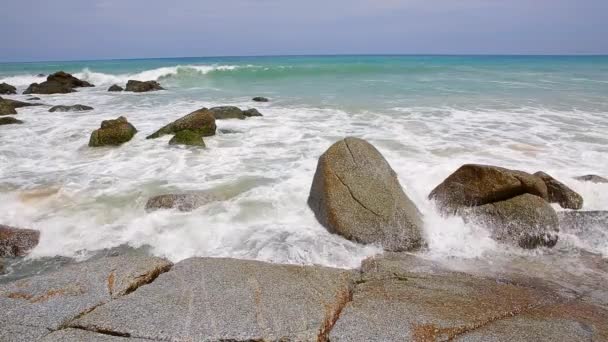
x: 200, y: 121
x: 9, y: 121
x: 227, y: 112
x: 187, y: 138
x: 140, y: 87
x: 16, y: 242
x: 7, y: 89
x: 6, y: 108
x: 112, y: 133
x: 355, y: 193
x: 560, y: 193
x: 115, y: 87
x: 260, y: 99
x: 73, y: 108
x: 57, y: 83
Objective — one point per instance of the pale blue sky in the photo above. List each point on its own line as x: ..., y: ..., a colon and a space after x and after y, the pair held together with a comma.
x: 100, y: 29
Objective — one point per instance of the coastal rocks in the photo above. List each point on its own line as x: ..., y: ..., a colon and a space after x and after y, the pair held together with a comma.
x: 9, y: 121
x: 187, y: 138
x: 112, y: 132
x: 560, y: 193
x: 181, y: 202
x: 140, y: 87
x: 6, y: 108
x: 200, y: 121
x: 7, y: 89
x: 57, y: 83
x: 115, y: 87
x: 19, y: 104
x: 592, y: 179
x: 215, y: 299
x: 74, y: 108
x: 33, y: 98
x: 355, y: 193
x: 16, y: 242
x: 260, y: 99
x: 526, y: 221
x: 513, y: 204
x: 53, y: 299
x: 251, y: 112
x: 227, y: 112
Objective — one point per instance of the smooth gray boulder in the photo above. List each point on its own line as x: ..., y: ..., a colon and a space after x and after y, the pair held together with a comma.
x: 592, y: 178
x: 526, y: 221
x: 214, y: 299
x: 355, y: 193
x: 74, y: 108
x: 53, y: 299
x: 200, y: 121
x: 560, y: 193
x: 17, y: 242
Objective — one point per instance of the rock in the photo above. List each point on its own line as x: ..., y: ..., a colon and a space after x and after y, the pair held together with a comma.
x: 227, y: 112
x: 355, y: 193
x: 7, y: 89
x: 16, y: 242
x: 74, y: 108
x: 473, y: 185
x: 527, y: 221
x: 67, y: 79
x: 583, y: 221
x: 19, y: 104
x: 182, y: 202
x: 260, y: 99
x: 200, y: 121
x: 6, y: 108
x: 48, y: 88
x: 251, y: 112
x: 21, y: 333
x: 115, y: 88
x: 592, y: 178
x: 214, y: 299
x: 51, y: 300
x: 187, y: 137
x: 559, y: 193
x: 9, y: 121
x: 77, y: 335
x: 112, y: 132
x: 33, y: 99
x: 139, y: 87
x: 401, y: 300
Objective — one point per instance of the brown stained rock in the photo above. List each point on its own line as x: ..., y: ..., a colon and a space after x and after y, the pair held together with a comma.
x: 355, y: 193
x: 112, y: 133
x: 560, y: 193
x: 16, y: 242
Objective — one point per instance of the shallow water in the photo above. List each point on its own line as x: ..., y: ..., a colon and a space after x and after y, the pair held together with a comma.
x: 427, y: 115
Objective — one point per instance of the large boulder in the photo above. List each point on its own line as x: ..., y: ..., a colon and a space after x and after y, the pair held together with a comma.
x: 9, y: 121
x: 200, y: 121
x: 74, y: 108
x: 140, y: 87
x: 227, y: 112
x: 7, y: 89
x: 49, y: 88
x: 473, y: 185
x: 355, y: 193
x: 115, y: 88
x: 187, y: 138
x: 67, y: 79
x: 16, y: 242
x: 592, y: 178
x: 215, y: 299
x: 6, y: 108
x: 112, y: 132
x: 560, y: 193
x: 527, y: 221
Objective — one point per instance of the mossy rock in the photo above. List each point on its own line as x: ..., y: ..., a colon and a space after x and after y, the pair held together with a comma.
x: 227, y: 112
x: 200, y: 121
x: 112, y: 133
x: 6, y: 108
x: 9, y: 120
x: 187, y: 137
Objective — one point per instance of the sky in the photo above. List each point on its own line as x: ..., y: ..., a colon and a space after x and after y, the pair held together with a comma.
x: 41, y: 30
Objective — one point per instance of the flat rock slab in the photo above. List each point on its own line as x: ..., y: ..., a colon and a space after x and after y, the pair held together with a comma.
x: 51, y: 300
x: 212, y: 299
x: 418, y: 301
x: 76, y: 335
x: 21, y: 333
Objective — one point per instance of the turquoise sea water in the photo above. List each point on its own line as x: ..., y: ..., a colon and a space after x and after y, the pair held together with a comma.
x: 427, y: 115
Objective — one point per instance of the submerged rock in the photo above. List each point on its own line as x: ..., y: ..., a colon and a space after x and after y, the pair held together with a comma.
x: 527, y: 221
x: 355, y: 193
x: 140, y: 87
x: 187, y: 137
x: 200, y: 121
x: 227, y: 112
x: 592, y: 178
x: 33, y: 99
x: 19, y: 104
x: 7, y: 89
x: 182, y: 202
x: 6, y: 108
x: 260, y: 99
x: 215, y: 299
x: 112, y: 132
x: 115, y: 87
x: 560, y: 193
x: 17, y: 242
x: 251, y: 112
x: 9, y: 121
x: 74, y: 108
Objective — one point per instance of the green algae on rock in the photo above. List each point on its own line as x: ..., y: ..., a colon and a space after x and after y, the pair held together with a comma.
x: 9, y: 120
x: 113, y: 133
x: 200, y: 121
x: 187, y: 137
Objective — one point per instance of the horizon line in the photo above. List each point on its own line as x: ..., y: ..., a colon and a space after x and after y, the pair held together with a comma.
x: 322, y: 55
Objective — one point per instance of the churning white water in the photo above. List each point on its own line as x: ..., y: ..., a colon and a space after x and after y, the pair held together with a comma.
x: 87, y: 199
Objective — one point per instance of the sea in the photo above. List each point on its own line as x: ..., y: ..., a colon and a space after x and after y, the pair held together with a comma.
x: 427, y: 115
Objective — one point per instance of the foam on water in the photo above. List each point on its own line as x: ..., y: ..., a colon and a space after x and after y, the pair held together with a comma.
x: 90, y: 199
